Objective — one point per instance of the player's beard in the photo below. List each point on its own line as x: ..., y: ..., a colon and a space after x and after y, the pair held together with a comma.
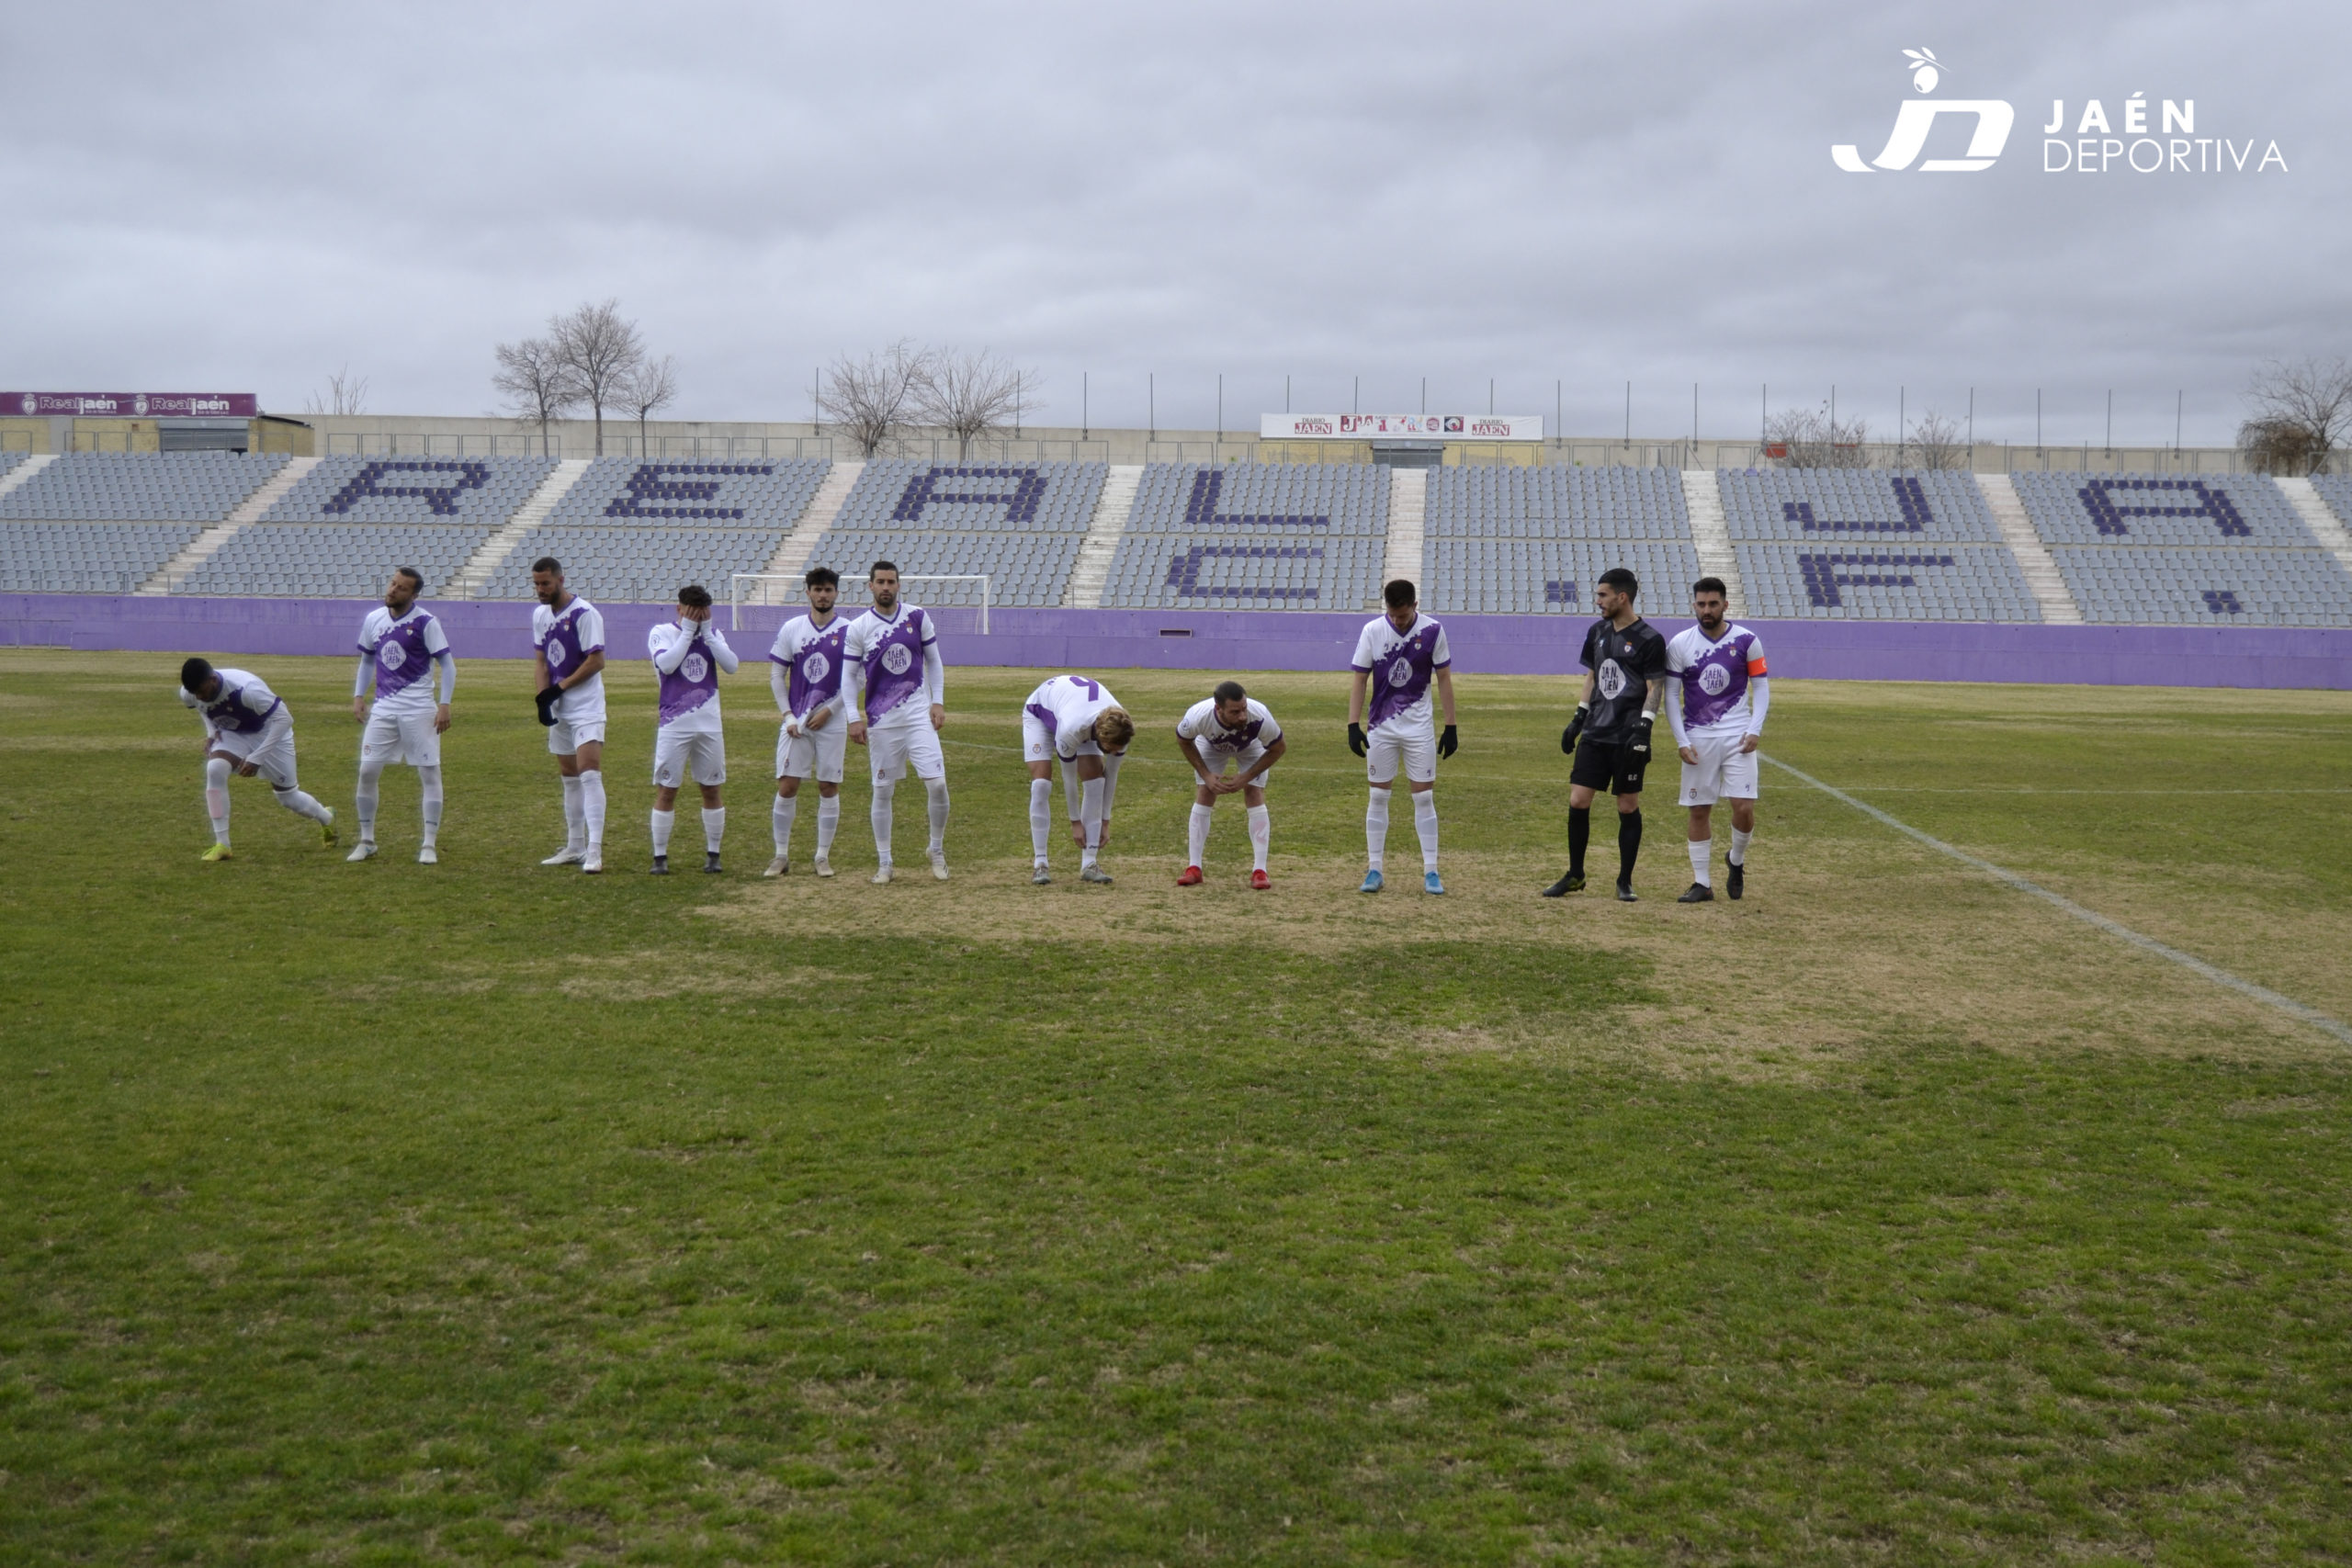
x: 1712, y: 628
x: 885, y: 602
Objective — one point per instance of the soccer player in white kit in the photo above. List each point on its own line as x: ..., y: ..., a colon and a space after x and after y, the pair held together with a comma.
x: 689, y: 655
x: 247, y: 731
x: 1716, y: 700
x: 1396, y: 656
x: 1229, y: 725
x: 403, y: 653
x: 804, y: 673
x: 897, y: 694
x: 1072, y: 718
x: 567, y: 660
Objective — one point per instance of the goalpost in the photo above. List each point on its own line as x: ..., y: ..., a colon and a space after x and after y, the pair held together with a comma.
x: 762, y: 590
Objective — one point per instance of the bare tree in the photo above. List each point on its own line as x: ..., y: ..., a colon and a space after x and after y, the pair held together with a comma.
x: 2302, y: 413
x: 601, y: 352
x: 972, y: 395
x: 537, y: 383
x: 872, y: 399
x: 345, y: 394
x: 1935, y: 443
x: 653, y: 385
x: 1809, y: 438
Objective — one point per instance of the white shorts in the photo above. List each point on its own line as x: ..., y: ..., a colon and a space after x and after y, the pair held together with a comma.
x: 895, y: 747
x: 676, y: 749
x: 1721, y: 770
x: 822, y: 756
x: 397, y: 737
x: 1414, y: 744
x: 270, y: 750
x: 564, y: 736
x: 1242, y: 762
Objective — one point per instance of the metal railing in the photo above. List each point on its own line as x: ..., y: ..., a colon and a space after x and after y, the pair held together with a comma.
x: 737, y: 599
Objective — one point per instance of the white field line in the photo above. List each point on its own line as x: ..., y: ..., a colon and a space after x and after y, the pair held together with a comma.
x: 2222, y: 977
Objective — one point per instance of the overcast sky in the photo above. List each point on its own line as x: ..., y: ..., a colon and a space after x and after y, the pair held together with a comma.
x: 199, y: 198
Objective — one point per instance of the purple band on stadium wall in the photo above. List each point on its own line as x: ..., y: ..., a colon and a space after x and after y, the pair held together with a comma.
x: 2280, y: 656
x: 132, y: 405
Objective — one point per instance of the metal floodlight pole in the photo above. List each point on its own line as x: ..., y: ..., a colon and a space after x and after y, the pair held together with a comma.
x: 1286, y: 394
x: 1220, y: 405
x: 2110, y: 422
x: 1356, y: 399
x: 1490, y: 396
x: 1085, y: 406
x: 2179, y: 399
x: 1763, y: 411
x: 1629, y: 413
x: 1151, y: 407
x: 2037, y: 419
x: 1425, y: 394
x: 1694, y: 422
x: 1972, y: 427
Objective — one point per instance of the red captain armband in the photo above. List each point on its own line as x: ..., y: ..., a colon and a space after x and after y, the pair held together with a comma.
x: 1756, y: 665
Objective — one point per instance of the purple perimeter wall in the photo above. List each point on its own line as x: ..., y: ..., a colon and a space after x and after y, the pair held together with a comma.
x: 1125, y: 639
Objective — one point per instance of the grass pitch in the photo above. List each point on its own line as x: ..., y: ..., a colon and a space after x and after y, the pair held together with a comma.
x: 385, y: 1213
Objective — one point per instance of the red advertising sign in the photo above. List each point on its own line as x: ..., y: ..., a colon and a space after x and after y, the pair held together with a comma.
x: 132, y: 405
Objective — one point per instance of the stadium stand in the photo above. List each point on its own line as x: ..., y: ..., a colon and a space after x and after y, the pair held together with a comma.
x: 1270, y: 537
x: 472, y: 490
x: 2336, y: 490
x: 2205, y: 550
x: 145, y: 487
x: 1832, y: 544
x: 86, y: 558
x: 635, y: 530
x: 1018, y: 523
x: 314, y: 560
x: 1531, y: 541
x: 9, y: 460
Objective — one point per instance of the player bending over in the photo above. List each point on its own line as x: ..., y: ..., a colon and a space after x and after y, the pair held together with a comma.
x: 401, y: 649
x: 804, y: 673
x: 247, y: 731
x: 1229, y: 726
x: 688, y: 657
x: 567, y: 660
x: 898, y: 689
x: 1624, y: 662
x: 1716, y: 704
x: 1396, y: 655
x: 1072, y: 718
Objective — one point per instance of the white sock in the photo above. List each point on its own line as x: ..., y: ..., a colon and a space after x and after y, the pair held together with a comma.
x: 1198, y: 840
x: 1425, y: 825
x: 1376, y: 830
x: 829, y: 818
x: 299, y: 804
x: 1739, y: 846
x: 714, y: 828
x: 1090, y: 817
x: 363, y: 800
x: 1700, y: 849
x: 780, y: 816
x: 1260, y: 831
x: 935, y: 796
x: 883, y: 791
x: 1041, y: 818
x: 428, y: 782
x: 575, y: 818
x: 663, y: 823
x: 216, y: 798
x: 591, y: 805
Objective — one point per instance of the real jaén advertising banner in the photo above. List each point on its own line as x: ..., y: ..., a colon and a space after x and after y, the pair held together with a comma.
x: 133, y: 405
x: 1415, y: 426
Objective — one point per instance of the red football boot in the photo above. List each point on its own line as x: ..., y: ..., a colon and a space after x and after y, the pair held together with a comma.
x: 1261, y: 881
x: 1191, y: 878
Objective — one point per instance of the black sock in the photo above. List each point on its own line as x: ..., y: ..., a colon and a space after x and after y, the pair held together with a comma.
x: 1629, y: 844
x: 1579, y: 835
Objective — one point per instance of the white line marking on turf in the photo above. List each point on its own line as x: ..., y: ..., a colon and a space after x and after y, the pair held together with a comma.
x: 2262, y: 994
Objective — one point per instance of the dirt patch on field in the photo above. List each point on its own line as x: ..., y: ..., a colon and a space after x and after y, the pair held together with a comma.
x: 660, y: 974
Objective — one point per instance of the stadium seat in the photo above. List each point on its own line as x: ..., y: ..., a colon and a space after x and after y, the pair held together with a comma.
x: 1253, y: 536
x: 141, y: 486
x: 1843, y: 543
x: 1018, y: 524
x: 1531, y: 541
x: 633, y: 529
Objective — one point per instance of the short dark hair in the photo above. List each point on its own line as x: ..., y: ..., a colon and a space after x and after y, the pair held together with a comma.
x: 547, y: 564
x: 1709, y: 585
x: 1624, y: 582
x: 1398, y: 594
x: 822, y: 577
x: 889, y: 566
x: 195, y: 672
x: 412, y: 574
x: 694, y: 596
x: 1228, y: 692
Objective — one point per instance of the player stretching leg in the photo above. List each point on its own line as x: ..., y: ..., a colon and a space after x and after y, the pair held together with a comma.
x: 246, y: 731
x: 898, y: 689
x: 1072, y: 718
x: 1229, y: 725
x: 567, y: 660
x: 1396, y: 655
x: 1716, y: 704
x: 399, y: 647
x: 688, y: 658
x: 805, y: 672
x: 1624, y: 660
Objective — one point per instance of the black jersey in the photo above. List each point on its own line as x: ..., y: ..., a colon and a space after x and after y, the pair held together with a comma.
x: 1624, y: 662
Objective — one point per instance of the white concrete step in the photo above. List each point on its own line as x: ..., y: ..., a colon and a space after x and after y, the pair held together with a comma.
x: 473, y: 577
x: 1408, y: 512
x: 174, y: 574
x: 791, y: 557
x: 1091, y: 578
x: 2042, y: 574
x: 25, y: 470
x: 1702, y: 498
x: 2319, y: 518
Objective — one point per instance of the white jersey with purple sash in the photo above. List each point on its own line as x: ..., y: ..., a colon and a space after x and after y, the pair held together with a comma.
x: 891, y: 650
x: 1716, y: 676
x: 567, y: 636
x: 403, y: 648
x: 1064, y: 710
x: 1215, y: 742
x: 687, y: 663
x: 813, y: 657
x: 1400, y: 666
x: 243, y: 706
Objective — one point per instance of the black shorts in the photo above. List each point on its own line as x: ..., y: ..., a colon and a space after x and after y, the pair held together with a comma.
x: 1600, y: 765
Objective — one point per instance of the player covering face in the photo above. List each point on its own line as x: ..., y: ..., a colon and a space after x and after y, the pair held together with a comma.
x: 1229, y: 728
x: 689, y: 655
x: 1716, y: 696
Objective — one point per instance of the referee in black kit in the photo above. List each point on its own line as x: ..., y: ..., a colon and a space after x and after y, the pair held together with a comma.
x: 1624, y: 687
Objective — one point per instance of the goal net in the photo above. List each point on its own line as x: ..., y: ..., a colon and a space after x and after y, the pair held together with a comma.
x: 971, y: 593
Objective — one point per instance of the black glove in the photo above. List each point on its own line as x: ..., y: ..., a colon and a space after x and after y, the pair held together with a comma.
x: 1356, y: 742
x: 547, y: 698
x: 1446, y: 743
x: 1637, y: 749
x: 1575, y: 728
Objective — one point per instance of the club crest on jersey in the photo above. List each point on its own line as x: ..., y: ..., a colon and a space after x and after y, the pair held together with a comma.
x: 1611, y: 679
x: 815, y: 667
x: 1714, y: 678
x: 695, y: 668
x: 897, y: 660
x: 391, y: 656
